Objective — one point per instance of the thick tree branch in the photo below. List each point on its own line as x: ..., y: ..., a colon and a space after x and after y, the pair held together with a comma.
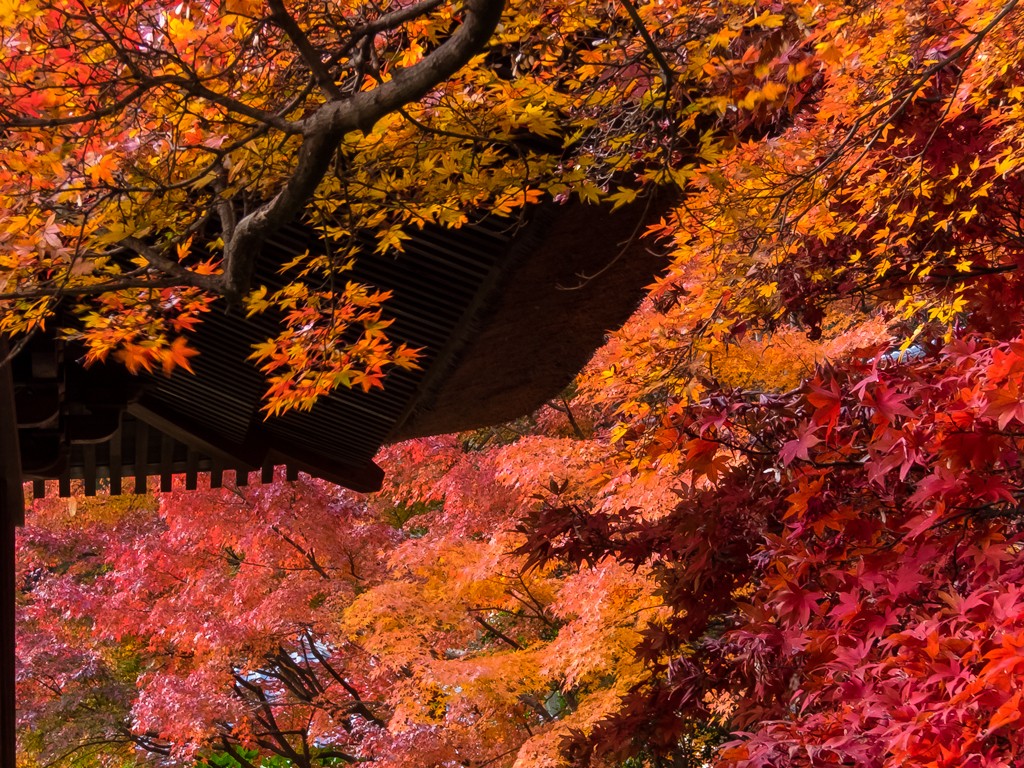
x: 363, y: 110
x: 324, y: 130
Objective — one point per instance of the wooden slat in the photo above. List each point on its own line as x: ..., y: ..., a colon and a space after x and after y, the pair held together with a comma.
x: 217, y: 473
x: 38, y: 489
x: 115, y: 463
x: 64, y: 482
x: 267, y: 473
x: 89, y: 468
x: 292, y: 473
x: 198, y: 435
x: 241, y: 477
x: 166, y: 457
x: 141, y: 455
x: 191, y: 469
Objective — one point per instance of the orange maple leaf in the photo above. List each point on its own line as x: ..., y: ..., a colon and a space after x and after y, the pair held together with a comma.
x: 177, y: 354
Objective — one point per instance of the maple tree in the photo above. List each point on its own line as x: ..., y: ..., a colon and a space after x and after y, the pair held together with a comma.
x: 147, y: 120
x: 290, y: 620
x: 150, y: 149
x: 776, y: 519
x: 842, y: 563
x: 175, y: 636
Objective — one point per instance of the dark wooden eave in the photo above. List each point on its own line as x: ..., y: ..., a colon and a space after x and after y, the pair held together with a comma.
x: 537, y: 325
x: 505, y: 312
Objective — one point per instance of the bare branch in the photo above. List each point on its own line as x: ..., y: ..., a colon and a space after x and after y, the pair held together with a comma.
x: 230, y: 749
x: 195, y: 88
x: 190, y: 86
x: 533, y: 703
x: 452, y: 134
x: 306, y: 553
x: 397, y: 18
x: 652, y: 48
x: 56, y: 122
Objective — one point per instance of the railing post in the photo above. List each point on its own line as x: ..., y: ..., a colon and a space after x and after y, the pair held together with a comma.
x: 12, y: 510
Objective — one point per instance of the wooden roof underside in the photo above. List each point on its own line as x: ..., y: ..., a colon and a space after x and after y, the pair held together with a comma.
x: 506, y: 313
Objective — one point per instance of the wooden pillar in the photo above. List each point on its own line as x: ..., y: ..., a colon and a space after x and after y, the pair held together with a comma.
x: 12, y: 513
x: 7, y: 655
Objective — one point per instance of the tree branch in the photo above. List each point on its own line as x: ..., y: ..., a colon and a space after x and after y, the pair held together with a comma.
x: 564, y: 408
x: 323, y: 131
x: 533, y: 703
x: 91, y: 290
x: 211, y: 283
x: 57, y: 122
x: 308, y: 554
x: 497, y: 632
x: 275, y: 120
x: 290, y: 27
x: 359, y: 706
x: 339, y: 755
x: 396, y: 18
x: 230, y: 749
x: 652, y: 48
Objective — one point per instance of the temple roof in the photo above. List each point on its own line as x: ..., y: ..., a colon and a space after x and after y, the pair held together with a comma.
x: 505, y: 311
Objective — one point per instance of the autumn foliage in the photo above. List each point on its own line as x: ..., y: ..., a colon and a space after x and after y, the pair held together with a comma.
x: 315, y: 626
x: 776, y: 520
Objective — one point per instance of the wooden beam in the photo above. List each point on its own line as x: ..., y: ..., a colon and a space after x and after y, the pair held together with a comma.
x: 7, y: 625
x: 166, y: 457
x: 201, y: 437
x: 364, y: 478
x: 12, y: 513
x: 141, y: 456
x: 191, y: 469
x: 10, y: 453
x: 89, y: 468
x: 115, y: 462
